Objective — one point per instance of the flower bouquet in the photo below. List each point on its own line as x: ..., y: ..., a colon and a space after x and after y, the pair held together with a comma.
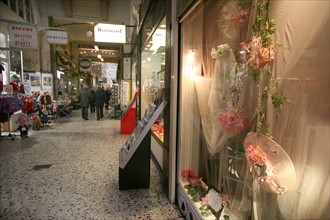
x: 269, y: 163
x: 211, y: 201
x: 233, y: 121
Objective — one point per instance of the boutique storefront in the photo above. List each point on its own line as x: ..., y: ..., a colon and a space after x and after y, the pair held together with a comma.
x: 154, y: 79
x: 253, y: 128
x: 20, y: 57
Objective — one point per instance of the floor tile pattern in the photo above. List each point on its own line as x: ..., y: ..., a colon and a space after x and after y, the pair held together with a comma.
x: 69, y: 170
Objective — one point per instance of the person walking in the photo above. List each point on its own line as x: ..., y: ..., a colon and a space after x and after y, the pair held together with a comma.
x: 92, y: 104
x: 84, y: 99
x: 99, y: 100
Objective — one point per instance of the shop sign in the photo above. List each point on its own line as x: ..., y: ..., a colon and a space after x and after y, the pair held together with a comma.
x: 23, y: 36
x: 85, y: 64
x: 100, y: 79
x: 158, y: 39
x: 127, y: 68
x: 57, y: 37
x: 110, y: 33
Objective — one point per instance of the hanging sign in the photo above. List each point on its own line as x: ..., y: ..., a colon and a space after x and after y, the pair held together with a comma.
x: 127, y: 68
x: 158, y: 39
x: 57, y: 37
x: 110, y: 33
x: 23, y: 36
x: 85, y: 64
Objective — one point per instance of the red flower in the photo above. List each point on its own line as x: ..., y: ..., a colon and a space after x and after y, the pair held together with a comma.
x: 188, y: 174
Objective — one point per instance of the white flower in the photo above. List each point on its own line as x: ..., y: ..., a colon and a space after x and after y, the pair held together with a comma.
x: 217, y: 53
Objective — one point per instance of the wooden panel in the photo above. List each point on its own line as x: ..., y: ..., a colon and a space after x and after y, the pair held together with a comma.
x: 86, y: 8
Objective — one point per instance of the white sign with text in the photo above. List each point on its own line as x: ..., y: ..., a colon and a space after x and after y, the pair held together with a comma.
x: 110, y: 33
x: 23, y: 36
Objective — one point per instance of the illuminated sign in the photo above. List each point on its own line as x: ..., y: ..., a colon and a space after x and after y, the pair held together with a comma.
x: 110, y: 33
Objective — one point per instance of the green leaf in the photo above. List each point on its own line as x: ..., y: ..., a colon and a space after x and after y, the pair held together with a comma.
x: 278, y: 100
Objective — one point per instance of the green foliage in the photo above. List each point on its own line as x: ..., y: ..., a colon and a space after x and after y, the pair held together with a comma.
x: 255, y: 73
x: 226, y: 217
x: 196, y: 192
x: 264, y: 28
x: 278, y: 100
x: 205, y: 211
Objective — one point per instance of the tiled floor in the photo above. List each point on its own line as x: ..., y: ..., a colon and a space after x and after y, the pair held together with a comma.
x: 70, y: 171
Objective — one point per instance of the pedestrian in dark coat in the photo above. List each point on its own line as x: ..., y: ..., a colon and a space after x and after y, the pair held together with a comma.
x: 84, y: 99
x: 92, y: 104
x: 99, y: 100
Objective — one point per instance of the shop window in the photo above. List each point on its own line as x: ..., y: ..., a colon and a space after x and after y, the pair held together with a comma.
x: 153, y: 74
x: 13, y: 5
x: 236, y: 57
x: 5, y: 2
x: 206, y: 151
x: 22, y: 8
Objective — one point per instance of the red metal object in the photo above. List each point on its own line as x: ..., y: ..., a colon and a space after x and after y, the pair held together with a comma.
x: 128, y: 120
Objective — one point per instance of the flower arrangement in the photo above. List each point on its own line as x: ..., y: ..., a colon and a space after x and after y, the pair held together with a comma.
x: 238, y: 16
x: 195, y: 186
x: 269, y: 164
x: 260, y: 52
x: 232, y: 17
x: 257, y: 160
x: 233, y: 121
x: 256, y: 157
x: 212, y: 202
x: 218, y: 53
x: 259, y: 55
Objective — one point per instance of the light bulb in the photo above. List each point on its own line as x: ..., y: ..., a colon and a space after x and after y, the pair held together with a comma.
x: 89, y: 34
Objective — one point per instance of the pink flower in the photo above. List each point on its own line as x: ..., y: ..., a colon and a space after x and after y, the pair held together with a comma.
x: 233, y: 121
x: 259, y: 55
x: 238, y: 18
x: 205, y: 200
x: 256, y: 155
x: 225, y: 200
x: 266, y: 55
x: 194, y: 181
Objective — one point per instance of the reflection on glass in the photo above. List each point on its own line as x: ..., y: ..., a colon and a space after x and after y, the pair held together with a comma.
x: 153, y: 73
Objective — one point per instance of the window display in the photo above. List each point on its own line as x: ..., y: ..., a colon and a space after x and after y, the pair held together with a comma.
x: 247, y: 81
x: 153, y: 69
x: 213, y: 116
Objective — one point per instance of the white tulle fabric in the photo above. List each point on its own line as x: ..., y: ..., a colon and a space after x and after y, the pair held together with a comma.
x: 211, y: 103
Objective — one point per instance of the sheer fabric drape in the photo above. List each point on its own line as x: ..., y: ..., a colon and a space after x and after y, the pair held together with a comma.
x: 302, y: 127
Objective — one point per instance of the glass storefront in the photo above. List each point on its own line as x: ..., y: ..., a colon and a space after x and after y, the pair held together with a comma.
x: 153, y: 74
x: 253, y: 110
x: 203, y: 144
